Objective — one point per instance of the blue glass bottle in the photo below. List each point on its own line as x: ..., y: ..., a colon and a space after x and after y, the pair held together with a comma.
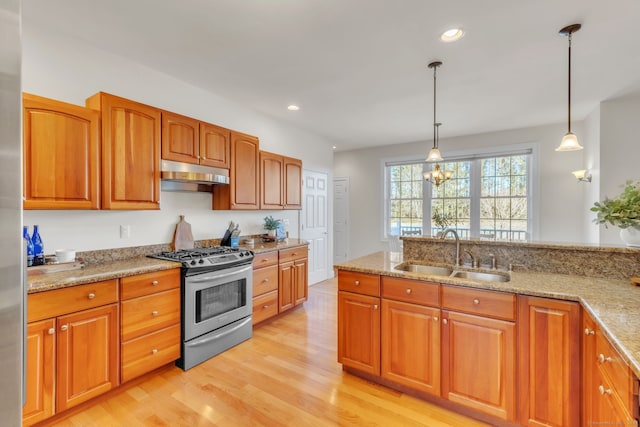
x: 38, y: 247
x: 28, y: 244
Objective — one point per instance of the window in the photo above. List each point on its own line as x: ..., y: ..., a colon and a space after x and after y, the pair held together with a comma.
x: 487, y: 197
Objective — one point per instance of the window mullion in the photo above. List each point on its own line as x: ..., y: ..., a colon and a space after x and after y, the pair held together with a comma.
x: 475, y: 174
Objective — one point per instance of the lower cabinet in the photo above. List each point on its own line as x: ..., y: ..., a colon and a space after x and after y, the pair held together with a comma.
x: 359, y: 332
x: 549, y: 362
x: 292, y: 272
x: 41, y: 369
x: 265, y: 286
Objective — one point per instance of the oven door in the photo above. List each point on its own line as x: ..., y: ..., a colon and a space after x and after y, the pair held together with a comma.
x: 215, y: 299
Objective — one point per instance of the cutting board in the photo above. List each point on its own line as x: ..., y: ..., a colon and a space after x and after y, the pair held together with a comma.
x: 183, y: 238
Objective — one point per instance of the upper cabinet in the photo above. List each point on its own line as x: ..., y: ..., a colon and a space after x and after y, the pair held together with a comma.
x: 61, y: 155
x: 281, y: 182
x: 243, y: 190
x: 130, y: 152
x: 188, y: 140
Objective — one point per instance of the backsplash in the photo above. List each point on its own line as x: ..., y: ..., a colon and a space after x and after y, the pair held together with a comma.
x: 119, y: 254
x: 591, y: 261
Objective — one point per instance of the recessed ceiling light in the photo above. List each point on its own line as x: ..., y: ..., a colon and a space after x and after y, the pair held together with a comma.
x: 334, y: 147
x: 293, y: 107
x: 452, y: 35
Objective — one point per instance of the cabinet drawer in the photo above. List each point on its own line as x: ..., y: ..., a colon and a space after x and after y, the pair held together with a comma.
x: 265, y: 259
x: 293, y: 254
x: 44, y: 305
x: 500, y: 305
x: 413, y: 291
x: 362, y: 283
x: 607, y: 405
x: 149, y: 313
x: 265, y: 306
x: 265, y: 280
x: 149, y: 283
x: 614, y: 368
x: 149, y: 352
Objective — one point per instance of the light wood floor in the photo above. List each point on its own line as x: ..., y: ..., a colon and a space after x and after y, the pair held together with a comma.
x: 286, y: 375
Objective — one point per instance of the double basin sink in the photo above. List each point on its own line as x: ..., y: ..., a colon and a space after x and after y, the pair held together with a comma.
x: 433, y: 270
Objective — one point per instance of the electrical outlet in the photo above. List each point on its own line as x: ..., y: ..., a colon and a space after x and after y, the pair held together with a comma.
x: 125, y: 231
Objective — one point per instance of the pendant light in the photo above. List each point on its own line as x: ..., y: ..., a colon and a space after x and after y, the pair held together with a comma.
x: 437, y: 176
x: 570, y: 140
x: 434, y: 153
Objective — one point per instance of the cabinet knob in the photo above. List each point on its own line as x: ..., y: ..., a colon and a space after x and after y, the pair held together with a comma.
x: 588, y: 331
x: 265, y: 307
x: 154, y: 283
x: 357, y: 283
x: 408, y: 291
x: 154, y: 351
x: 603, y: 390
x: 203, y: 158
x: 602, y: 358
x: 91, y: 295
x: 154, y: 313
x: 266, y: 280
x: 375, y: 306
x: 64, y: 327
x: 476, y: 301
x: 435, y: 318
x: 445, y: 321
x: 52, y: 331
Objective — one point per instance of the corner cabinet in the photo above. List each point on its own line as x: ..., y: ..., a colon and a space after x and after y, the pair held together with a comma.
x: 61, y: 145
x: 549, y: 362
x: 130, y: 152
x: 243, y: 192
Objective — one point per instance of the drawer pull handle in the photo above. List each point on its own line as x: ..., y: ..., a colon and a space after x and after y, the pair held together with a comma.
x: 91, y: 295
x: 154, y: 351
x: 602, y: 358
x: 64, y: 327
x: 375, y: 306
x: 154, y: 313
x: 264, y: 260
x: 357, y: 283
x: 154, y: 283
x: 266, y: 280
x: 588, y: 331
x: 265, y: 307
x: 52, y: 331
x: 435, y: 318
x: 603, y: 390
x: 445, y: 321
x: 408, y: 291
x: 476, y: 301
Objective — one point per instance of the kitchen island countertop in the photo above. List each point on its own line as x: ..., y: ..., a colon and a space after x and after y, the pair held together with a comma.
x: 613, y: 303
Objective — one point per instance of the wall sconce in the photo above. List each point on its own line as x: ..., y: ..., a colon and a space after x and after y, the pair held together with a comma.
x: 582, y: 175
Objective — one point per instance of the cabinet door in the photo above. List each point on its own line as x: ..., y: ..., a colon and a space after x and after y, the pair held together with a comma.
x: 479, y: 363
x: 301, y: 268
x: 589, y: 360
x: 61, y: 155
x: 214, y: 146
x: 130, y: 153
x: 359, y: 332
x: 286, y: 286
x: 292, y: 183
x: 606, y: 408
x: 243, y: 191
x: 271, y: 186
x: 411, y: 345
x: 549, y: 362
x: 180, y: 138
x: 40, y: 371
x: 87, y: 351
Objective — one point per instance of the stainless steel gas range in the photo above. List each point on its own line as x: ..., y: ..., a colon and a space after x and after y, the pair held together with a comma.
x: 216, y: 300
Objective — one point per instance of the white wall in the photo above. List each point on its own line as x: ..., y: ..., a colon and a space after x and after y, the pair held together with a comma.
x: 591, y: 143
x: 69, y: 70
x: 559, y: 198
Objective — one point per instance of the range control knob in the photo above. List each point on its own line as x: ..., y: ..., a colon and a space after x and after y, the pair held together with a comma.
x: 193, y: 262
x: 201, y: 261
x: 241, y: 253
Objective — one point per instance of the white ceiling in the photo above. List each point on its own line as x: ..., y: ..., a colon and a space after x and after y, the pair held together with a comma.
x: 357, y: 68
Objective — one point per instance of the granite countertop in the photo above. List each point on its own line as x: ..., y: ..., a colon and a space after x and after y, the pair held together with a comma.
x: 259, y: 246
x: 613, y: 303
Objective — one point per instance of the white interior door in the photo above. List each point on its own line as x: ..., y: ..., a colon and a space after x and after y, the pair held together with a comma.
x: 314, y: 223
x: 340, y: 220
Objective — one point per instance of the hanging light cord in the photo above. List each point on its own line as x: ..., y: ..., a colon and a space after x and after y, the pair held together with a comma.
x: 569, y: 103
x: 435, y: 139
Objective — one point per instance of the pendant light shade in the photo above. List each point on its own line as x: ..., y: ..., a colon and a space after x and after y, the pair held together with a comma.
x: 570, y: 140
x: 434, y: 154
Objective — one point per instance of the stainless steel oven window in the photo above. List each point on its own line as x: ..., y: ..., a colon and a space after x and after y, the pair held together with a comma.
x: 220, y: 299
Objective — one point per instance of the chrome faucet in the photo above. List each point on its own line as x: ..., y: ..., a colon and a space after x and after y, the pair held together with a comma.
x: 474, y: 262
x: 455, y: 234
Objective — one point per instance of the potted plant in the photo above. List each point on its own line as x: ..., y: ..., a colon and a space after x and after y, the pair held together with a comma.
x: 271, y: 225
x: 442, y: 220
x: 623, y: 211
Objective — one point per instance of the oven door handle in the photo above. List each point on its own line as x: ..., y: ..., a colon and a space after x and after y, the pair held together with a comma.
x: 196, y: 342
x: 200, y: 279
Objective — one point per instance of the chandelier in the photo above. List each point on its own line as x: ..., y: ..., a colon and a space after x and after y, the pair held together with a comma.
x: 436, y: 176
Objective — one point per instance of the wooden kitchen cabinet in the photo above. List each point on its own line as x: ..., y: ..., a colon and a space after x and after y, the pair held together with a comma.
x: 150, y: 322
x: 40, y: 368
x: 61, y: 162
x: 188, y: 140
x: 293, y: 277
x: 243, y: 191
x: 265, y: 286
x: 72, y: 347
x: 548, y: 362
x: 479, y: 323
x: 410, y: 334
x: 359, y: 331
x: 281, y: 182
x: 130, y: 152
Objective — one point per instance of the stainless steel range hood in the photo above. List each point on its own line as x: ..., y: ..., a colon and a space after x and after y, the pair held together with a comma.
x: 176, y: 176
